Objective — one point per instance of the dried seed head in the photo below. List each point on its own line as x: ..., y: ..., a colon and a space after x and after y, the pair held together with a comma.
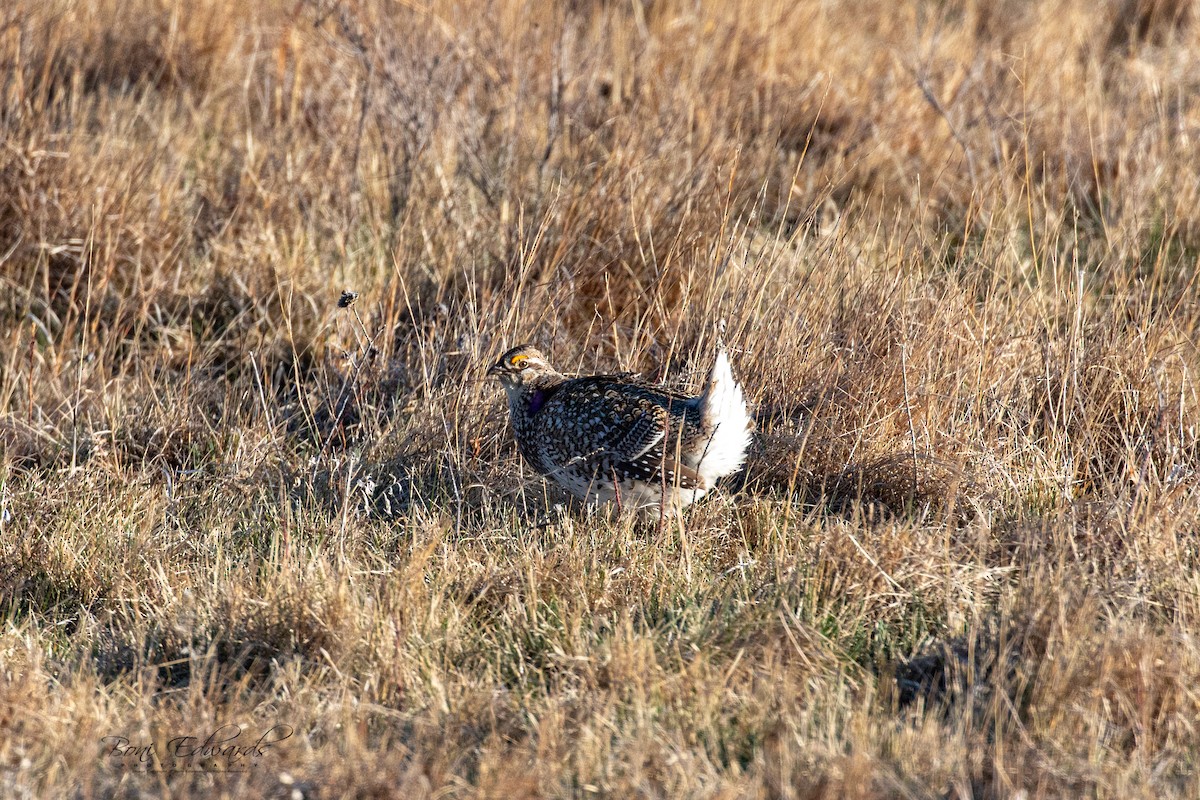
x: 347, y: 299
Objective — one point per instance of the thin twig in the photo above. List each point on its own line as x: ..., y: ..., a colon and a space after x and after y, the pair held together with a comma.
x: 937, y: 106
x: 912, y: 431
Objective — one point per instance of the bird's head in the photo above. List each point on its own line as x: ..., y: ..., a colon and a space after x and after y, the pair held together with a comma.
x: 521, y: 366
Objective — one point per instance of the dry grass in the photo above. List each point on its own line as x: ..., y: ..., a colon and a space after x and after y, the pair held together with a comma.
x: 956, y: 245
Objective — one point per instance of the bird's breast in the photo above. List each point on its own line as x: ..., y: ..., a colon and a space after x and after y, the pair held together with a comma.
x: 536, y: 400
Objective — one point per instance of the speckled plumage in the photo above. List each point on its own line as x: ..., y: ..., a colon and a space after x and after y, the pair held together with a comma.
x: 612, y: 437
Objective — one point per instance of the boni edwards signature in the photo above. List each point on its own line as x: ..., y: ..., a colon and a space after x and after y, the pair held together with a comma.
x: 222, y: 750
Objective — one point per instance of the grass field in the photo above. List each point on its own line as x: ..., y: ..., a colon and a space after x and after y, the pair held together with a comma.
x: 955, y: 245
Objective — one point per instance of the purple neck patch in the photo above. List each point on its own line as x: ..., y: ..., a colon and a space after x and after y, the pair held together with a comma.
x: 536, y: 401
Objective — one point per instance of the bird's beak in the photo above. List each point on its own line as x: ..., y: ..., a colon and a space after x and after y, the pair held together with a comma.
x: 493, y: 371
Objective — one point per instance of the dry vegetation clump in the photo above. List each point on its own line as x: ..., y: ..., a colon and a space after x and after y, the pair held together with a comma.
x: 956, y: 248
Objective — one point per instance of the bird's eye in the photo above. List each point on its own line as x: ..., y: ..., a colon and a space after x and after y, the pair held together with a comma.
x: 516, y: 361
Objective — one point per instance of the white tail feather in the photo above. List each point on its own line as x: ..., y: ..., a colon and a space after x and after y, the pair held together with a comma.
x: 723, y: 410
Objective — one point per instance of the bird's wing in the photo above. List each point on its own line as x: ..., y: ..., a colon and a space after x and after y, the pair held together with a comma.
x: 606, y: 426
